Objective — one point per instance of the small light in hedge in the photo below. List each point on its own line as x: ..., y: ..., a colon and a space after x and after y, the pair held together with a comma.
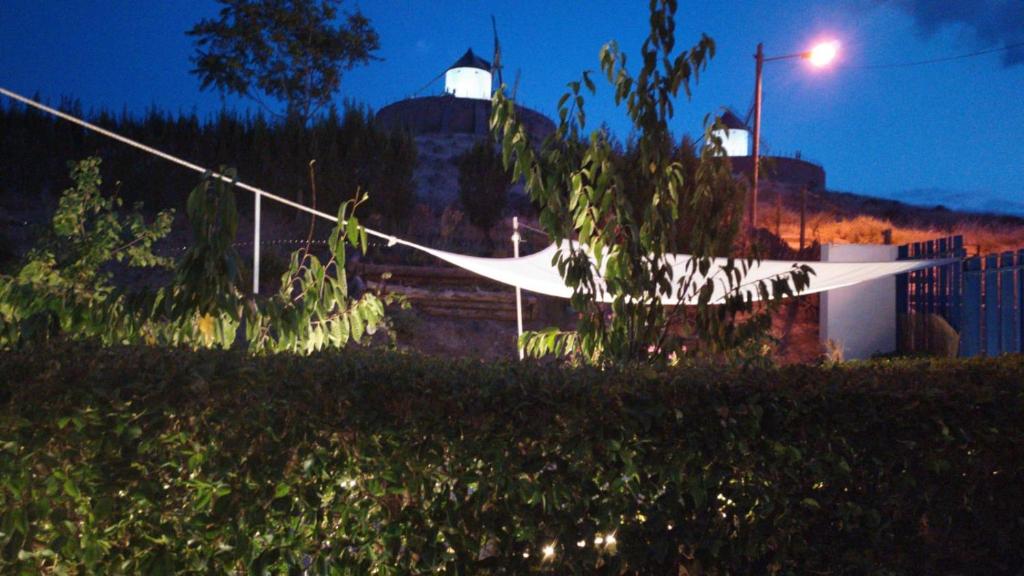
x: 610, y: 540
x: 549, y: 551
x: 670, y: 527
x: 526, y: 554
x: 581, y: 543
x: 598, y: 540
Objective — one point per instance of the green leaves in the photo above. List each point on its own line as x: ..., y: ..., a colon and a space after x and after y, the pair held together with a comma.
x: 632, y: 208
x: 64, y: 287
x: 293, y: 52
x: 113, y: 461
x: 313, y: 309
x: 204, y: 304
x: 65, y: 284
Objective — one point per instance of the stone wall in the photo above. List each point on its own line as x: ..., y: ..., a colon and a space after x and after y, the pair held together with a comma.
x: 783, y: 170
x: 447, y: 114
x: 444, y: 128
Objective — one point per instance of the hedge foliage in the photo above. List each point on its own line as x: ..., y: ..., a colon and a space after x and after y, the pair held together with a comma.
x: 137, y: 460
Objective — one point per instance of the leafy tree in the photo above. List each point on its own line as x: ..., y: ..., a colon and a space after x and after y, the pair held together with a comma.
x: 204, y: 304
x: 314, y: 309
x: 292, y: 51
x: 483, y: 187
x: 619, y: 217
x: 65, y: 287
x: 65, y: 283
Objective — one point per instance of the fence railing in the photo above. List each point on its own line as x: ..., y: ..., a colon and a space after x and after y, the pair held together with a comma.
x: 994, y: 301
x: 982, y: 297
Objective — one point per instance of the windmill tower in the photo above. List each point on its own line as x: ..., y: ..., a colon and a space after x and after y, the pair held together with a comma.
x: 469, y: 77
x: 736, y: 136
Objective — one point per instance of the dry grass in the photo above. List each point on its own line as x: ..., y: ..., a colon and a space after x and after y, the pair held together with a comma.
x: 982, y: 234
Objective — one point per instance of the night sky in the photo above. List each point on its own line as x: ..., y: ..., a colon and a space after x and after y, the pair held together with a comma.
x: 949, y: 132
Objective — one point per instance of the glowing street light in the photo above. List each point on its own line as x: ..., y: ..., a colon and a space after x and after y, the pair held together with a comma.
x: 823, y: 54
x: 820, y: 56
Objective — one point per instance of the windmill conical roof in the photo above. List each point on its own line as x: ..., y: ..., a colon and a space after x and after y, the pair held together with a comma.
x: 733, y: 122
x: 471, y: 60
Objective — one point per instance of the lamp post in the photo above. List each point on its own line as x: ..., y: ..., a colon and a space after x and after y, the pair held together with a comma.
x: 819, y: 56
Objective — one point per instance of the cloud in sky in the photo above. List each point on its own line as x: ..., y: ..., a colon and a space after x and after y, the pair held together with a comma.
x: 995, y: 23
x: 973, y: 201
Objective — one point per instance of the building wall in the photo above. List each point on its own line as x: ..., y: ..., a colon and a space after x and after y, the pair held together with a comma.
x: 445, y: 127
x: 735, y: 142
x: 861, y: 319
x: 450, y: 115
x: 468, y: 83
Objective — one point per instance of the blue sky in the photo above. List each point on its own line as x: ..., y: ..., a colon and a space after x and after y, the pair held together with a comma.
x: 950, y: 132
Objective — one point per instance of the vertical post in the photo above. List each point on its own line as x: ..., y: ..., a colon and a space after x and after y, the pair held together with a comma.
x: 778, y: 212
x: 803, y: 215
x: 929, y: 296
x: 256, y: 246
x: 519, y: 292
x: 1020, y: 301
x: 970, y: 333
x: 956, y: 295
x: 759, y: 59
x: 942, y: 277
x: 1009, y: 319
x: 916, y: 300
x: 916, y: 278
x: 929, y: 279
x: 902, y: 303
x: 993, y: 346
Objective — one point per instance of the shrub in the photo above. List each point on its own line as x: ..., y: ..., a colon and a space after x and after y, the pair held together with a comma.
x: 65, y: 286
x: 483, y: 187
x: 141, y: 460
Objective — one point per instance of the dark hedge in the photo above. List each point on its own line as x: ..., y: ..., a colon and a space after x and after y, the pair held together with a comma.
x: 163, y: 461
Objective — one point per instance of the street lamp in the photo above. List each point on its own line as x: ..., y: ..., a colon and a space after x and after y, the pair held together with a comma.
x: 819, y: 56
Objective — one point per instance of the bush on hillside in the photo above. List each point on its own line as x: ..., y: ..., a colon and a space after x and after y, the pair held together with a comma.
x: 351, y: 154
x: 483, y: 187
x: 153, y: 461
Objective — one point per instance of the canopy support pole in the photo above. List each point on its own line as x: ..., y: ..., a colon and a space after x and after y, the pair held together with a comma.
x: 256, y: 247
x: 519, y: 292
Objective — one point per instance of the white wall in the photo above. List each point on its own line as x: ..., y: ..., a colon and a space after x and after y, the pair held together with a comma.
x: 468, y: 83
x: 861, y: 318
x: 736, y: 142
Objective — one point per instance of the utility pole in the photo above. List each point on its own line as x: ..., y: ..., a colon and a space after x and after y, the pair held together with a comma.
x: 759, y: 59
x: 803, y: 215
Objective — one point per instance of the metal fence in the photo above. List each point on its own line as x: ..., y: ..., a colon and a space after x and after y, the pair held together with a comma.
x: 982, y: 297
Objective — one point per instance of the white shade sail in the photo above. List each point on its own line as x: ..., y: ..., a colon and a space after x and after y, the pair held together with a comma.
x: 537, y: 273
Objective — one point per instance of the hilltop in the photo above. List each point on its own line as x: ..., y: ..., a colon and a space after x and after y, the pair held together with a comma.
x: 849, y: 218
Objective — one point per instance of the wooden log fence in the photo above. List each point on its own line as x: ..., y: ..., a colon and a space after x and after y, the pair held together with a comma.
x: 477, y: 305
x: 448, y: 292
x: 444, y: 276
